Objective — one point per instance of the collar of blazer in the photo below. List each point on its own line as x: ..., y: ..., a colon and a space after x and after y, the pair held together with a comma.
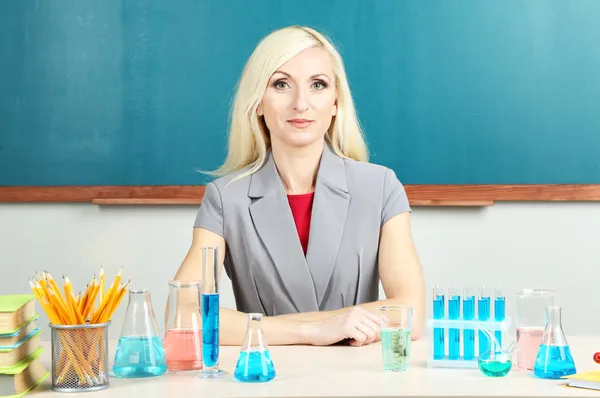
x: 306, y: 279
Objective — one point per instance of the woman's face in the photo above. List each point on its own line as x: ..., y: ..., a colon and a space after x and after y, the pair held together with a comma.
x: 300, y: 99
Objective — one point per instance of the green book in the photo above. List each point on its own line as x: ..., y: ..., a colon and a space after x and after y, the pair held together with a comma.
x: 15, y: 311
x: 18, y: 380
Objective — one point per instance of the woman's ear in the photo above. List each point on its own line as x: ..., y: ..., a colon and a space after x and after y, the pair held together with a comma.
x: 334, y: 110
x: 259, y: 110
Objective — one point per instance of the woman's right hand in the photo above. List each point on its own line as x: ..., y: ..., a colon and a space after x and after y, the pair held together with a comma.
x: 358, y: 325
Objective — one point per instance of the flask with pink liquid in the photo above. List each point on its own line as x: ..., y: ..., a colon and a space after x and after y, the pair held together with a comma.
x: 183, y: 337
x: 530, y: 323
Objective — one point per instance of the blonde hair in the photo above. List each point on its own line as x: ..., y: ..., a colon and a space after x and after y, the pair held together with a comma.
x: 249, y: 142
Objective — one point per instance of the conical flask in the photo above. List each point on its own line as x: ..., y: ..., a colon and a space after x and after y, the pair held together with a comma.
x: 254, y: 363
x: 183, y: 337
x: 140, y: 351
x: 554, y: 358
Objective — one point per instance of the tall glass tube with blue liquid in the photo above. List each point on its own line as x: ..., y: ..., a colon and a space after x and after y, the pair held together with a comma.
x: 439, y: 309
x: 483, y: 314
x: 453, y: 314
x: 469, y: 315
x: 210, y: 313
x: 499, y: 311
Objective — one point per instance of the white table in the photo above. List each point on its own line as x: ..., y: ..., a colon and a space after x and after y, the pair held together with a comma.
x: 344, y: 371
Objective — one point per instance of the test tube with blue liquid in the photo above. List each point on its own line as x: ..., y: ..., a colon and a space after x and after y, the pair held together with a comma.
x: 469, y: 315
x: 453, y: 314
x: 210, y: 313
x: 499, y: 312
x: 438, y: 313
x: 483, y: 314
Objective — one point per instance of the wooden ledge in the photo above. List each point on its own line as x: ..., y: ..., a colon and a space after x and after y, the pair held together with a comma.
x: 419, y: 195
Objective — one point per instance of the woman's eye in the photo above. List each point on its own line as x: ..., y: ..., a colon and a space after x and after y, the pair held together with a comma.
x: 280, y: 84
x: 319, y: 85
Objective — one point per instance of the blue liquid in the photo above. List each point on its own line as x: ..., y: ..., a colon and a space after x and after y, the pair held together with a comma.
x: 254, y: 367
x: 210, y: 329
x: 483, y: 313
x: 438, y: 333
x: 553, y: 362
x: 499, y: 315
x: 469, y: 334
x: 454, y: 333
x: 139, y: 357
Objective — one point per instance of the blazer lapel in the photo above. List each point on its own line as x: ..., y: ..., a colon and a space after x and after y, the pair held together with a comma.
x: 329, y: 212
x: 275, y: 226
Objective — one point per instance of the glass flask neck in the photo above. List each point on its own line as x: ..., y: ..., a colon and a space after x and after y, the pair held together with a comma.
x: 139, y: 318
x: 553, y: 334
x: 553, y: 316
x: 254, y: 338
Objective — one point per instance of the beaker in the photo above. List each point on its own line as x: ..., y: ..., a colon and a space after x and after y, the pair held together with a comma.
x: 254, y: 363
x: 210, y: 313
x: 530, y: 323
x: 183, y: 336
x: 554, y: 359
x: 140, y: 351
x: 396, y: 334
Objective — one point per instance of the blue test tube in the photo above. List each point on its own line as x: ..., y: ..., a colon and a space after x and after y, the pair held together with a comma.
x: 210, y: 313
x: 454, y: 333
x: 483, y: 314
x: 438, y: 313
x: 499, y: 312
x: 469, y: 315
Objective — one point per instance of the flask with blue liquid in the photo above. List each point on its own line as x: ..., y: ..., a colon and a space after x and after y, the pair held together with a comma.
x: 254, y: 364
x: 140, y: 351
x: 554, y: 359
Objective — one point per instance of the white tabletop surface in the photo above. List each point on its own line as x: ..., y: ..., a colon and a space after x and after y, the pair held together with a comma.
x: 344, y: 371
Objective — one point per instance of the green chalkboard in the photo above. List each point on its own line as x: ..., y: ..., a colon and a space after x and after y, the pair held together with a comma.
x: 137, y: 92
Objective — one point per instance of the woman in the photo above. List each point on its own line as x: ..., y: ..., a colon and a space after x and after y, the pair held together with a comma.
x: 306, y: 227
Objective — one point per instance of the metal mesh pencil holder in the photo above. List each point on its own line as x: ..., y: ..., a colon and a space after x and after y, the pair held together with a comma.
x: 79, y: 357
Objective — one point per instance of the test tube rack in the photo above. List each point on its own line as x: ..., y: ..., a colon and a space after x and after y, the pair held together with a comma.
x: 456, y: 337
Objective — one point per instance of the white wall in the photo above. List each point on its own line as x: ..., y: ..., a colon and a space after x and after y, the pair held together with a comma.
x: 509, y: 245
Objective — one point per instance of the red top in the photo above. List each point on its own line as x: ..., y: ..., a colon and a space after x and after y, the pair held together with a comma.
x: 301, y: 206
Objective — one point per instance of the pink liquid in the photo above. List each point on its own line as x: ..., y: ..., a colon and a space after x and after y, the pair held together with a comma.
x: 528, y: 340
x: 183, y: 349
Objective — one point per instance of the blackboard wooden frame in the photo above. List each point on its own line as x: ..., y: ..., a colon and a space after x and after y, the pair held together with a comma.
x: 419, y: 195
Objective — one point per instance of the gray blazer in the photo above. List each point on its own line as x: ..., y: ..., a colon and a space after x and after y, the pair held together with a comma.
x: 264, y: 258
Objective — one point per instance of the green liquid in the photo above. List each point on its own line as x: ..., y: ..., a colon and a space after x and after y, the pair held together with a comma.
x: 395, y: 345
x: 495, y: 368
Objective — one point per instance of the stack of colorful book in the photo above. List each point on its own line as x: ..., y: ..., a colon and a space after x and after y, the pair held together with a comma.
x: 21, y: 368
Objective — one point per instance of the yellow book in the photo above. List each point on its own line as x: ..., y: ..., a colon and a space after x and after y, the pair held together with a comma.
x: 589, y: 380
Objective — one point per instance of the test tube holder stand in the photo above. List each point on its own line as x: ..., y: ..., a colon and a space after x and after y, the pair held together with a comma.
x: 462, y: 325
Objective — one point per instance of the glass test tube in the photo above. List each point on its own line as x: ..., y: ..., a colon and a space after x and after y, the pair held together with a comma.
x: 469, y: 315
x: 499, y: 312
x: 210, y: 312
x: 438, y: 313
x: 453, y: 333
x: 483, y: 314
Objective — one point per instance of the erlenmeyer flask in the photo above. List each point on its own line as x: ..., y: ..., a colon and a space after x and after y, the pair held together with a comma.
x: 140, y: 351
x: 254, y: 363
x: 183, y: 337
x: 554, y: 358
